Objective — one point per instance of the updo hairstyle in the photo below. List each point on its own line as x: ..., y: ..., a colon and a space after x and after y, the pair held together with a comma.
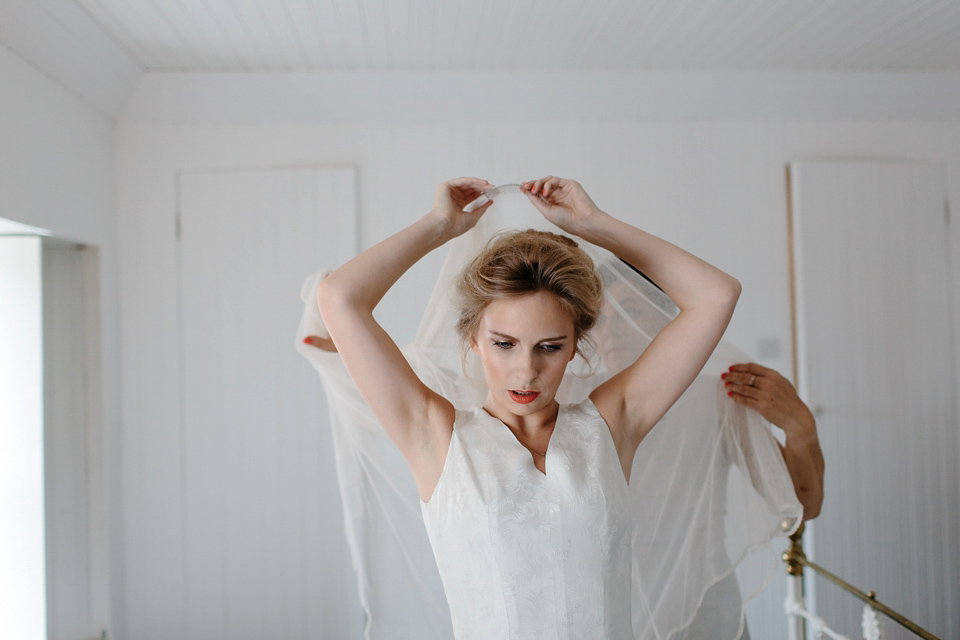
x: 516, y: 263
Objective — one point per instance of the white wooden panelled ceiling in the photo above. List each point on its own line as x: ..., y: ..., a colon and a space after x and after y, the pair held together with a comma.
x: 84, y: 43
x: 350, y: 35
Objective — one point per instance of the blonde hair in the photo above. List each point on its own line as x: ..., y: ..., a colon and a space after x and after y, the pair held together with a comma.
x: 516, y: 263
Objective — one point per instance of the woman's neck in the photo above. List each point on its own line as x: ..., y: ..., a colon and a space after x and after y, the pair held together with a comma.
x: 528, y: 426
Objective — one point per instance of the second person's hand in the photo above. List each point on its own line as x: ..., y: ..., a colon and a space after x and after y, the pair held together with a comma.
x: 769, y: 394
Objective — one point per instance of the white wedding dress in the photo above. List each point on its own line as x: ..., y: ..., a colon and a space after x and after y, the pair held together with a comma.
x: 708, y: 488
x: 527, y: 554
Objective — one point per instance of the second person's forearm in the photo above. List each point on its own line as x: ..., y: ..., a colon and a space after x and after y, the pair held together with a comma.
x: 804, y: 459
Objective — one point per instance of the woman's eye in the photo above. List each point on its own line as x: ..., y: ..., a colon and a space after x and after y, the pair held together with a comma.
x: 550, y: 348
x: 503, y: 344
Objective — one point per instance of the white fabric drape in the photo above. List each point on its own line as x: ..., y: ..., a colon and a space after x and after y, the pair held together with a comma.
x: 709, y: 488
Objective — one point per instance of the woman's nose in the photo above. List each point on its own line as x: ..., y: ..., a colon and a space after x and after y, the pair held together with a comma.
x: 527, y: 366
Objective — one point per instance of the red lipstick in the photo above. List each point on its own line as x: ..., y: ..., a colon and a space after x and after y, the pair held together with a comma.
x: 524, y: 397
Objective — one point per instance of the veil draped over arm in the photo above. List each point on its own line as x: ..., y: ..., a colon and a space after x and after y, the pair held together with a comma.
x: 709, y: 488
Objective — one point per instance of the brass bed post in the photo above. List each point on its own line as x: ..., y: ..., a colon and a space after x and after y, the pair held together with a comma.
x: 795, y: 560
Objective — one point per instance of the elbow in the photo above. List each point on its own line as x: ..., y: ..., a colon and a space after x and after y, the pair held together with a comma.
x: 339, y: 304
x: 733, y: 290
x: 811, y: 511
x: 329, y: 298
x: 811, y: 500
x: 727, y: 293
x: 323, y: 295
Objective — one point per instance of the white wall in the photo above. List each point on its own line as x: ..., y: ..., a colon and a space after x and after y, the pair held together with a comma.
x: 57, y: 166
x: 717, y: 189
x: 714, y: 187
x: 57, y: 173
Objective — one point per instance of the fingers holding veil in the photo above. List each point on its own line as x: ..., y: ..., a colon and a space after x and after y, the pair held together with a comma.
x: 452, y: 199
x: 765, y: 391
x: 563, y: 202
x: 461, y: 191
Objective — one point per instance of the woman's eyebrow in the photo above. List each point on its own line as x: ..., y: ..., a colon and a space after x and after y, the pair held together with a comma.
x: 509, y: 337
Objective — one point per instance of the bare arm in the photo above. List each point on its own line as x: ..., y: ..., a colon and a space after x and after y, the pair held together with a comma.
x: 637, y: 397
x: 417, y: 420
x: 772, y: 396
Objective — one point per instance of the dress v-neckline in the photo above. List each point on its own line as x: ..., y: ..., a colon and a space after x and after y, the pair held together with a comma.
x: 515, y: 439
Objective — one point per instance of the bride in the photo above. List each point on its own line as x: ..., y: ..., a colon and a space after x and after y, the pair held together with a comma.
x: 525, y: 500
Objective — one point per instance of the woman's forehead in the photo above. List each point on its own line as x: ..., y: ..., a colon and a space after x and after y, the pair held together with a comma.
x: 535, y: 316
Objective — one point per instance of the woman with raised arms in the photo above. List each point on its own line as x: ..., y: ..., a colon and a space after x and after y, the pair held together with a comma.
x: 523, y: 498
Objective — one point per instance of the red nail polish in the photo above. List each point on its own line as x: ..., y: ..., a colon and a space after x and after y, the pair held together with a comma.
x: 730, y: 393
x: 723, y: 376
x: 731, y: 368
x: 306, y: 340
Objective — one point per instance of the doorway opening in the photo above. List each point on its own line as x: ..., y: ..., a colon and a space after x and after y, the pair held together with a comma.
x: 52, y: 533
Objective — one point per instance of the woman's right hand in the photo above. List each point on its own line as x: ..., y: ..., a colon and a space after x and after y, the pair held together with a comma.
x: 452, y: 196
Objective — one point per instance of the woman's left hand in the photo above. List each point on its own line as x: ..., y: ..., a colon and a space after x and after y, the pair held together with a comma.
x: 562, y: 202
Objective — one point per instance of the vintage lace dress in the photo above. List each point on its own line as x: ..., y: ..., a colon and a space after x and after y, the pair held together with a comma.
x: 525, y: 554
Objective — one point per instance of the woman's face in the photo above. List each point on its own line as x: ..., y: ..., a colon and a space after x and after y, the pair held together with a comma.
x: 525, y: 344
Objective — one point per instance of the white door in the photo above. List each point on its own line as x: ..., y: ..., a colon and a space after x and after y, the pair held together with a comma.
x: 876, y: 359
x: 265, y: 552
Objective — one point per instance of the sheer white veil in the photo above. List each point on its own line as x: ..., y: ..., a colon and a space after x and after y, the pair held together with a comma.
x: 709, y: 487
